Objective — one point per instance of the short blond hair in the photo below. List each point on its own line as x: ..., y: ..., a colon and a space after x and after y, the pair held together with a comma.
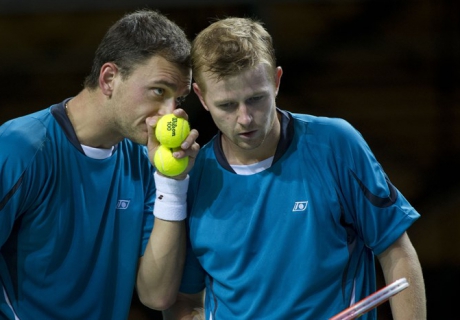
x: 230, y: 46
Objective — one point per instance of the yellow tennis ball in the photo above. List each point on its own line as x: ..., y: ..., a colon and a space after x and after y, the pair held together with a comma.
x: 167, y: 164
x: 171, y: 131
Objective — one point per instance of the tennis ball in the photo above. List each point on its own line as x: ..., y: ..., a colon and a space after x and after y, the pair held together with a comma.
x: 167, y: 164
x: 171, y: 131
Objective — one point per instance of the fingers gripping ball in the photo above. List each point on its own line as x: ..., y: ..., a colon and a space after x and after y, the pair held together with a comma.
x: 167, y: 164
x: 171, y: 131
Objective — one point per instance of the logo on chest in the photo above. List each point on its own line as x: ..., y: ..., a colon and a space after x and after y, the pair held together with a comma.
x: 122, y: 204
x: 300, y: 206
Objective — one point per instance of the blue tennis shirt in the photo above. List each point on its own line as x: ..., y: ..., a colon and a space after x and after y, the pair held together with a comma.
x: 297, y: 240
x: 72, y: 228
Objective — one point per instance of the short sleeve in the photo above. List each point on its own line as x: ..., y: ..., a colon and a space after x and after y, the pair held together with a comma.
x: 378, y: 211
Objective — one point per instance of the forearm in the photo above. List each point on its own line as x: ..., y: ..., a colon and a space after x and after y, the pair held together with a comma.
x: 410, y: 303
x: 160, y: 268
x: 402, y: 262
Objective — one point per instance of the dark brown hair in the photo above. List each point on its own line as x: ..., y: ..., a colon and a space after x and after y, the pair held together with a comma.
x: 137, y: 37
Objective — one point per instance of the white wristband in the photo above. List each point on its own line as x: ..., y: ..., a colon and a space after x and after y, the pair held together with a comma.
x: 171, y: 198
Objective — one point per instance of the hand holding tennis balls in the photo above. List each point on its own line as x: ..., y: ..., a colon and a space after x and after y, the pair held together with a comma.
x: 170, y: 131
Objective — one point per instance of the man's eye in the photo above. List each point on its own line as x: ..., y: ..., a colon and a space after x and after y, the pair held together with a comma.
x: 158, y: 91
x: 227, y: 105
x: 255, y: 99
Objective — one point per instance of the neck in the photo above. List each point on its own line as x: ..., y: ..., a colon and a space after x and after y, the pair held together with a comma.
x: 89, y: 124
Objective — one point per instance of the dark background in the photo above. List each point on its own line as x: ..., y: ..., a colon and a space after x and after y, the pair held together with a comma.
x: 391, y: 68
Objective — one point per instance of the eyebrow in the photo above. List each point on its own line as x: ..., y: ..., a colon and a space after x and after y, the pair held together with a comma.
x: 166, y: 83
x: 171, y: 85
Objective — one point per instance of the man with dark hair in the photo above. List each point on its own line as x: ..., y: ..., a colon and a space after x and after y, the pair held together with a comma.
x: 78, y: 187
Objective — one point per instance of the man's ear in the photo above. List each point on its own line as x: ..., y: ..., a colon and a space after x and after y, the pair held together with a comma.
x: 198, y: 92
x: 106, y: 78
x: 278, y: 74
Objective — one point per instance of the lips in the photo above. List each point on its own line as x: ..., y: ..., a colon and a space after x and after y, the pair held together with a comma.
x: 247, y: 134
